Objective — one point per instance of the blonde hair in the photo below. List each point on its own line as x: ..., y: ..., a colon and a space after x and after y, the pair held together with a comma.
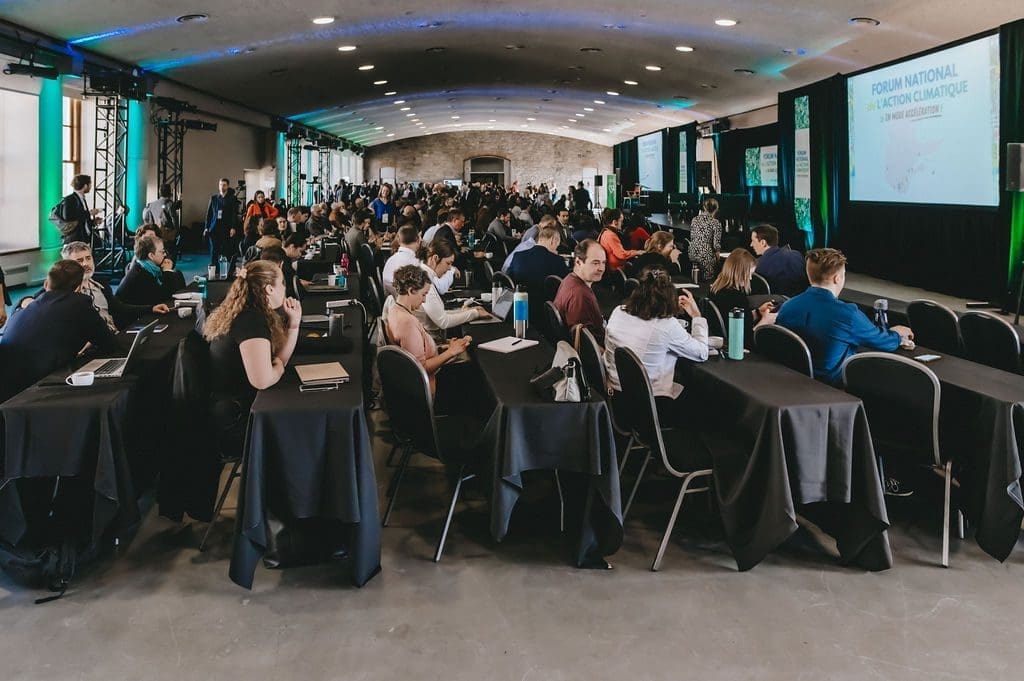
x: 658, y: 241
x: 248, y: 292
x: 736, y: 272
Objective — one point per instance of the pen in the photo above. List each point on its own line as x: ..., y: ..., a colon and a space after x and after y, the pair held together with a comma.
x: 517, y: 342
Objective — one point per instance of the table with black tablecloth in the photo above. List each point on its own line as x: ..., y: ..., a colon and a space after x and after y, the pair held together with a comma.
x: 526, y: 432
x: 981, y: 427
x: 782, y: 442
x: 308, y: 456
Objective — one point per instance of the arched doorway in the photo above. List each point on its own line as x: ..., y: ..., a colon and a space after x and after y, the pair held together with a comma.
x: 488, y: 169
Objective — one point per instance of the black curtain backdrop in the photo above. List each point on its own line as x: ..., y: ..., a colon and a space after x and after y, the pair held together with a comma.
x: 765, y: 204
x: 624, y: 157
x: 1011, y: 129
x: 672, y: 159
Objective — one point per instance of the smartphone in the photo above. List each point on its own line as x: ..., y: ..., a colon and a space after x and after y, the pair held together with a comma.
x: 927, y: 358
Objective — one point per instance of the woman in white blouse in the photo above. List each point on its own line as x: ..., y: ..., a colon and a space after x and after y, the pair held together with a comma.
x: 647, y: 325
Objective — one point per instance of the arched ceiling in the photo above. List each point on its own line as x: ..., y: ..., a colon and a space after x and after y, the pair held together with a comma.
x: 525, y: 66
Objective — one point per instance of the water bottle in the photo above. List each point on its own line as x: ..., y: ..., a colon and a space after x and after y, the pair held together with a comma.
x: 222, y: 268
x: 695, y: 273
x: 882, y: 314
x: 211, y: 272
x: 736, y: 319
x: 520, y: 311
x: 495, y: 292
x: 335, y: 324
x: 200, y: 283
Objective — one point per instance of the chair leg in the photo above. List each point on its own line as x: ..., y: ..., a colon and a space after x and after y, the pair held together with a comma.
x: 960, y: 522
x: 396, y: 481
x: 625, y: 455
x: 220, y: 503
x: 393, y: 482
x: 636, y: 486
x: 391, y: 456
x: 656, y: 565
x: 451, y: 511
x: 561, y: 503
x: 945, y: 514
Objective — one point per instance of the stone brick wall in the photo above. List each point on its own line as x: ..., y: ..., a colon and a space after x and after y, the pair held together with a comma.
x: 535, y: 157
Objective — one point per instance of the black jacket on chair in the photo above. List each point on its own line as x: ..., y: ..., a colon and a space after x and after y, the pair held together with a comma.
x: 139, y: 287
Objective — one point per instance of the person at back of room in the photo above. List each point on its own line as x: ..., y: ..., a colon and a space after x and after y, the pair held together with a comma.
x: 706, y: 239
x: 660, y: 252
x: 832, y: 329
x: 222, y: 222
x: 731, y: 288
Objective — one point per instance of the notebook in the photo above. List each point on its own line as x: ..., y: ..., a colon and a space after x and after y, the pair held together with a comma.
x: 508, y: 344
x: 328, y: 373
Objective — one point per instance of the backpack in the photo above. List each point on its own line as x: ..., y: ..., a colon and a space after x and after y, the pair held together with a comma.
x: 50, y: 567
x: 64, y: 226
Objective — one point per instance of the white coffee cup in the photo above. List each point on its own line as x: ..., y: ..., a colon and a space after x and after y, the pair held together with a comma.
x: 715, y: 342
x: 81, y: 378
x: 332, y: 279
x: 184, y: 312
x: 486, y: 296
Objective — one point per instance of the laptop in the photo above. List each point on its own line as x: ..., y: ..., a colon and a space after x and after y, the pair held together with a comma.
x: 500, y: 308
x: 115, y: 368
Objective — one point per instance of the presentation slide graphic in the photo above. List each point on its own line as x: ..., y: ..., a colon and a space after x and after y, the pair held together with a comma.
x: 762, y: 166
x: 650, y: 161
x: 927, y: 130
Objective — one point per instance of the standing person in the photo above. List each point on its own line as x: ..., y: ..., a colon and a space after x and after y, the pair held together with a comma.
x: 222, y: 221
x: 261, y: 207
x: 706, y: 239
x: 164, y: 214
x: 581, y: 198
x: 72, y: 216
x: 383, y: 206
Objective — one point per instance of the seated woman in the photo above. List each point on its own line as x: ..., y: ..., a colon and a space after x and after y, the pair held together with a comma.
x: 251, y: 232
x: 250, y: 345
x: 635, y: 233
x: 706, y: 240
x: 660, y: 252
x: 151, y: 279
x: 412, y: 285
x: 646, y: 324
x: 730, y: 290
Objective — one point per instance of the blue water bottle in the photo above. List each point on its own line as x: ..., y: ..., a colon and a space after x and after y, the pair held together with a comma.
x: 736, y: 333
x: 520, y: 311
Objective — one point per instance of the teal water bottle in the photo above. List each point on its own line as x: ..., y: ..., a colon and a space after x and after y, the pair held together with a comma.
x: 736, y: 333
x: 520, y: 311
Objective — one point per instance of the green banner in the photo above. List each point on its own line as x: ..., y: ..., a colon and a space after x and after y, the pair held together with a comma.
x: 611, y: 201
x: 802, y: 168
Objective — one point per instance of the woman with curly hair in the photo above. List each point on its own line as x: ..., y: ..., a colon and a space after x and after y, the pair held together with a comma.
x: 250, y: 345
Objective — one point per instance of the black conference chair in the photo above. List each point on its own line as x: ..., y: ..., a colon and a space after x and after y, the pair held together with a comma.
x: 630, y: 286
x: 680, y: 450
x: 592, y: 359
x: 781, y: 345
x: 935, y: 326
x: 990, y: 340
x: 901, y: 399
x: 410, y: 408
x: 503, y: 280
x: 368, y: 264
x: 487, y: 271
x: 552, y: 282
x: 554, y: 328
x: 716, y: 322
x: 759, y: 285
x: 300, y: 292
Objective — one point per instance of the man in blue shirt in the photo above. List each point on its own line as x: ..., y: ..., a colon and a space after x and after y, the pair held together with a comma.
x: 832, y: 329
x: 531, y: 267
x: 783, y: 268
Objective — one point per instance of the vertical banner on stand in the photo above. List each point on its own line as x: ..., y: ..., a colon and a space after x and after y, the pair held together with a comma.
x: 610, y: 200
x: 802, y: 168
x: 684, y: 171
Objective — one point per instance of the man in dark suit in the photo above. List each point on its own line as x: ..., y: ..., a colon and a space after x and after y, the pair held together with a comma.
x: 74, y: 218
x: 50, y: 332
x: 532, y: 266
x: 449, y: 231
x: 222, y: 222
x: 152, y: 278
x: 581, y: 198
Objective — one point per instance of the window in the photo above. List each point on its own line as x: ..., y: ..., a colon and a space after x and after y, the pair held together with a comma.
x: 72, y: 140
x: 19, y: 171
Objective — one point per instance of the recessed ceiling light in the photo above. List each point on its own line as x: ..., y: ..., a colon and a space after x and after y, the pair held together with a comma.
x: 579, y: 115
x: 598, y: 101
x: 434, y: 50
x: 430, y: 24
x: 189, y: 18
x: 457, y: 125
x: 347, y: 48
x: 573, y: 120
x: 515, y: 47
x: 530, y: 119
x: 865, y: 21
x: 745, y: 72
x: 588, y: 108
x: 679, y: 97
x: 605, y: 129
x: 524, y: 125
x: 652, y: 67
x: 366, y: 67
x: 564, y: 127
x: 321, y: 21
x: 490, y: 127
x: 612, y: 93
x: 380, y: 82
x: 455, y: 118
x: 590, y: 49
x: 405, y: 108
x: 399, y: 101
x: 379, y: 128
x: 390, y: 134
x: 725, y: 22
x: 415, y: 120
x: 684, y: 48
x: 491, y: 120
x: 388, y: 94
x: 630, y: 82
x: 410, y: 115
x: 709, y: 86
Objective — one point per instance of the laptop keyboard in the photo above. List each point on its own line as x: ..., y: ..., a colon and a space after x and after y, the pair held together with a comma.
x: 110, y: 367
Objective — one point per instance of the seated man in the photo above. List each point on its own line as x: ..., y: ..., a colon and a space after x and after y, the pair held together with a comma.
x: 575, y: 300
x: 294, y: 247
x: 114, y: 312
x: 151, y: 279
x: 783, y: 268
x: 528, y: 242
x: 832, y: 329
x: 50, y: 332
x: 360, y: 233
x: 532, y: 266
x: 501, y: 228
x: 407, y: 254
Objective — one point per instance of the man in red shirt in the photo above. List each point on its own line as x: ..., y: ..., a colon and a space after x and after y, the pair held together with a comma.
x: 575, y: 299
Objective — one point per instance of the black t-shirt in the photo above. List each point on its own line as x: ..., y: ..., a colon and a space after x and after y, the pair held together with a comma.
x: 228, y: 379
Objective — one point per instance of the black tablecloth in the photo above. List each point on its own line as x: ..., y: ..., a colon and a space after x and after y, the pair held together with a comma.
x: 308, y: 455
x: 526, y: 432
x: 981, y: 427
x: 778, y: 440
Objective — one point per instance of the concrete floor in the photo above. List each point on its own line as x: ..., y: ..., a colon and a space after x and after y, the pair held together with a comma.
x: 518, y: 611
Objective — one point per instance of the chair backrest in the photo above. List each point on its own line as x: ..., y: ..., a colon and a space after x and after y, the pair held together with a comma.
x: 592, y: 360
x: 630, y: 286
x: 781, y: 345
x: 554, y: 328
x: 990, y: 340
x: 551, y: 284
x: 487, y: 270
x: 251, y: 253
x: 901, y: 398
x: 935, y: 326
x: 190, y: 383
x: 638, y: 399
x: 374, y: 298
x: 406, y: 392
x: 503, y: 280
x: 297, y: 285
x: 716, y: 322
x: 331, y: 252
x: 759, y: 286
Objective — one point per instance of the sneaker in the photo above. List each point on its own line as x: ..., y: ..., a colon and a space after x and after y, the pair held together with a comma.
x: 894, y: 489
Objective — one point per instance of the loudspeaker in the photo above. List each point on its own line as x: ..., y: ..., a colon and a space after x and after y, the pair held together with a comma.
x: 1014, y: 167
x: 703, y: 173
x: 598, y: 179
